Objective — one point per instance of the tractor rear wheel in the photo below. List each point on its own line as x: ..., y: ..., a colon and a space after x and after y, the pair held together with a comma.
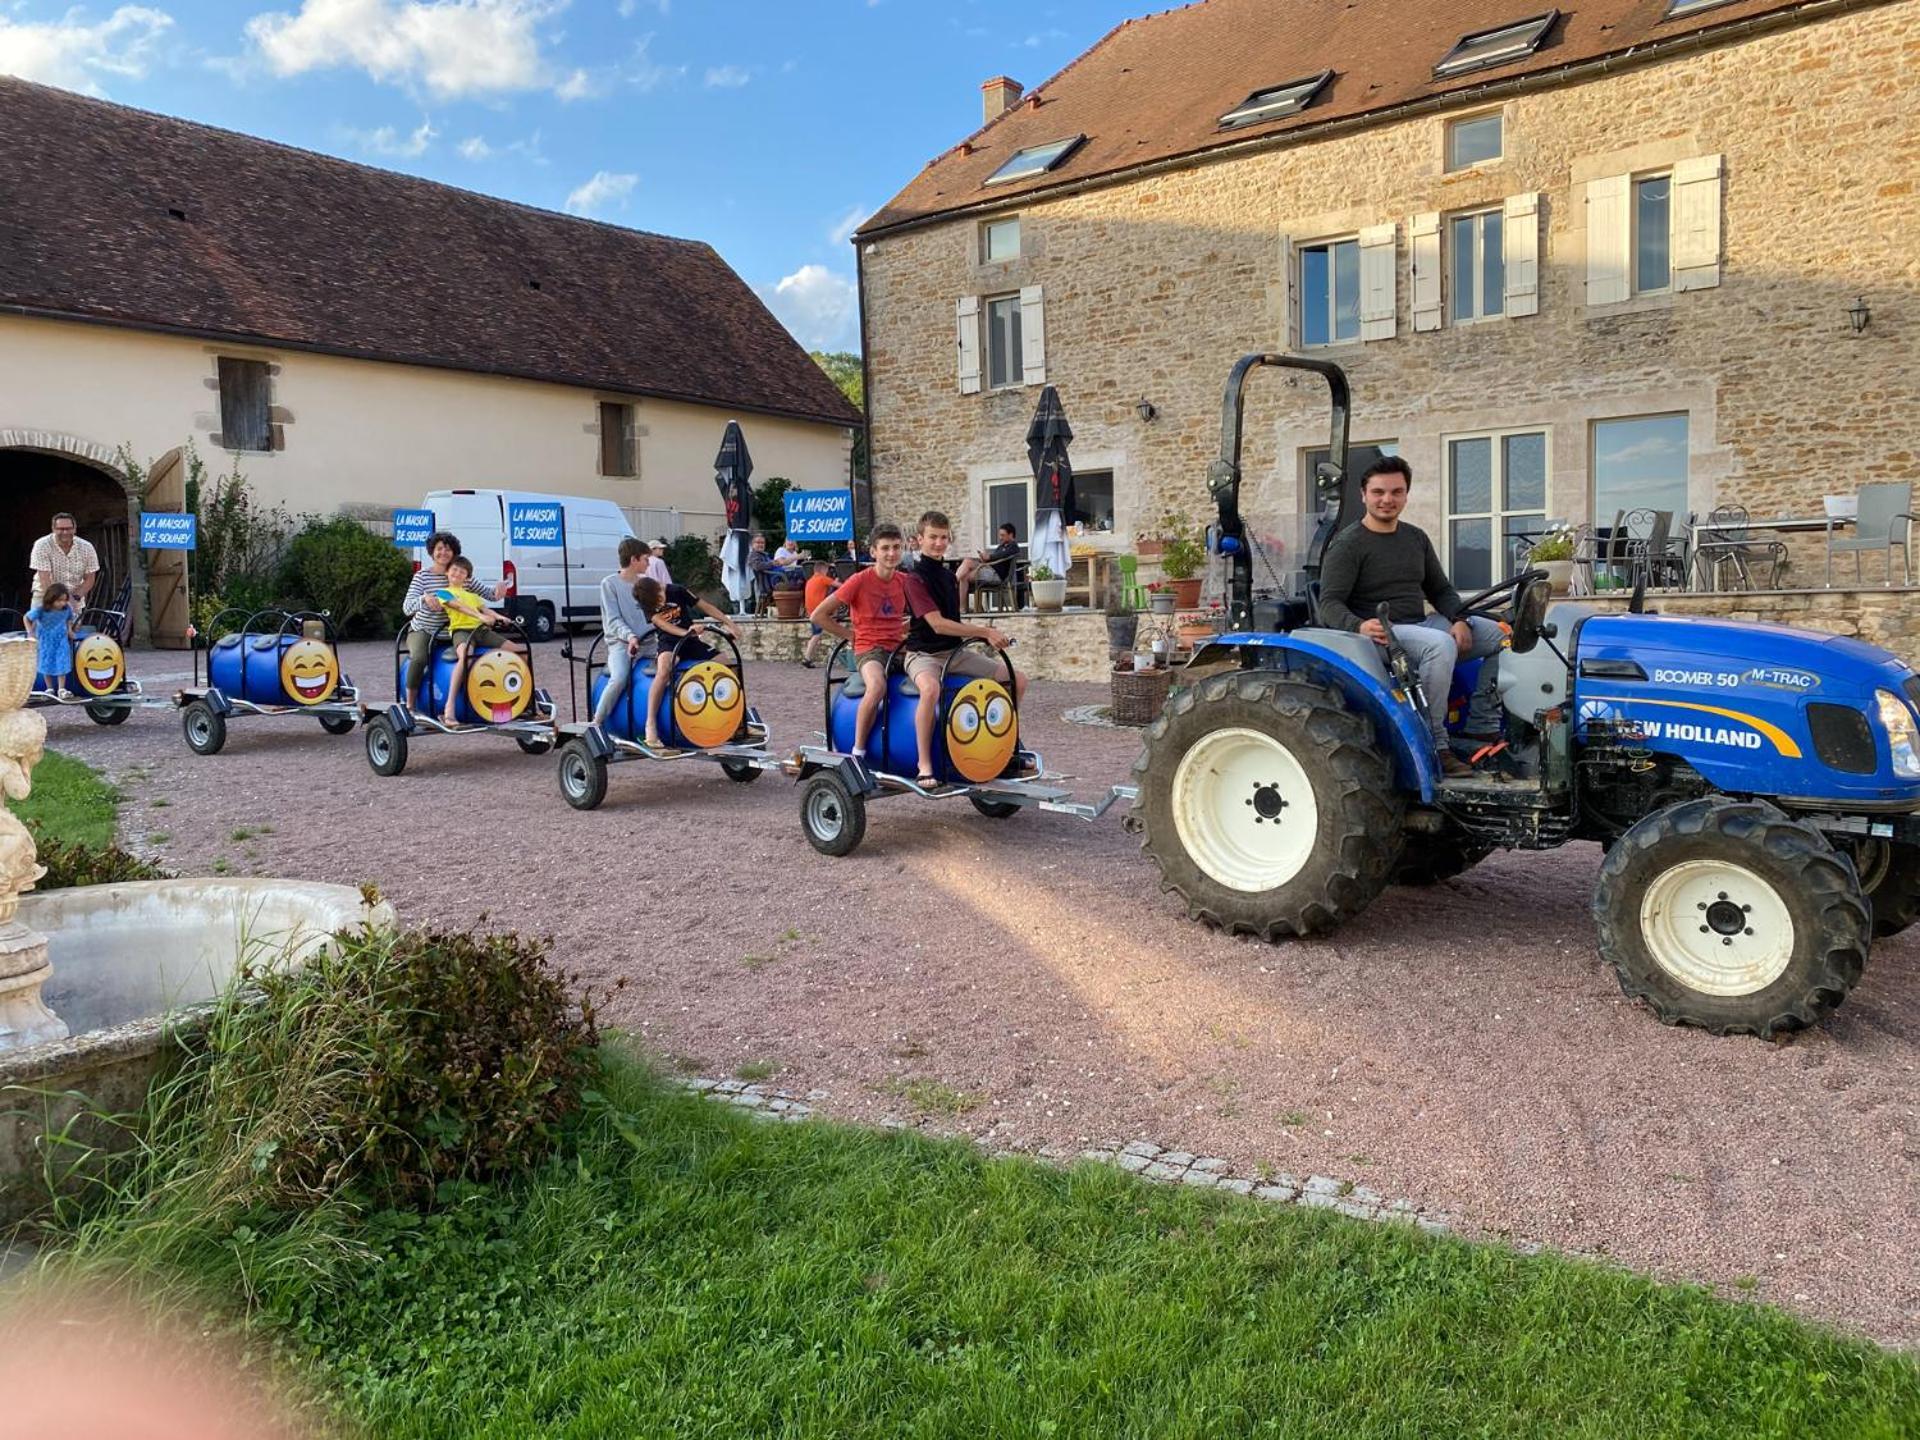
x: 1429, y: 859
x: 1890, y: 879
x: 1267, y: 805
x: 1728, y: 915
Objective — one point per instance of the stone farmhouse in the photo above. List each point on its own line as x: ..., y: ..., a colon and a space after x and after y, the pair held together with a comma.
x: 354, y: 338
x: 1639, y: 253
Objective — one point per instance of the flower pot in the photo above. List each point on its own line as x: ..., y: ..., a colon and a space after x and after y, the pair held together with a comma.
x: 1049, y: 594
x: 789, y: 604
x: 1186, y: 593
x: 1120, y: 631
x: 1160, y: 602
x: 1559, y: 574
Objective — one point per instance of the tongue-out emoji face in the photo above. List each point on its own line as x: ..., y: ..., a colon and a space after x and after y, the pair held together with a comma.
x: 308, y: 671
x: 99, y: 665
x: 499, y: 686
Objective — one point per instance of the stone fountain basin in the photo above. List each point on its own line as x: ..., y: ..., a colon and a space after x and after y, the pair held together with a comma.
x: 132, y: 963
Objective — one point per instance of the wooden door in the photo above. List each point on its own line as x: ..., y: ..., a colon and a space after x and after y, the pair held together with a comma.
x: 169, y: 611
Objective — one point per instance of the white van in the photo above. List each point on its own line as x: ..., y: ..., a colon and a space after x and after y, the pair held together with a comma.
x: 540, y: 587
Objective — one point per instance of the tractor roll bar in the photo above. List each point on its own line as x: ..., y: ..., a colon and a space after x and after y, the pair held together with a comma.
x: 1336, y: 499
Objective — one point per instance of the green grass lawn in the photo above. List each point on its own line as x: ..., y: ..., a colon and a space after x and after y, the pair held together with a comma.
x: 688, y: 1271
x: 71, y: 802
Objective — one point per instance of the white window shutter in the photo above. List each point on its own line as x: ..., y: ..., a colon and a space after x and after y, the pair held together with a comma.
x: 1520, y: 234
x: 1283, y: 295
x: 967, y: 342
x: 1426, y: 270
x: 1379, y: 267
x: 1608, y: 240
x: 1033, y: 336
x: 1696, y: 223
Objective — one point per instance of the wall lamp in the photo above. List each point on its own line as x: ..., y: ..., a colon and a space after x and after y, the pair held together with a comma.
x: 1858, y: 315
x: 1146, y: 412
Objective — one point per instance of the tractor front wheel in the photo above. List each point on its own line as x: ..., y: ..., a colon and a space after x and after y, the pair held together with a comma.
x: 1267, y: 805
x: 1728, y: 915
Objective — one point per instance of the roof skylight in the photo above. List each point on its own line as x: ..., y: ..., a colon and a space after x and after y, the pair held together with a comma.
x: 1496, y: 47
x: 1677, y: 8
x: 1288, y: 99
x: 1034, y: 160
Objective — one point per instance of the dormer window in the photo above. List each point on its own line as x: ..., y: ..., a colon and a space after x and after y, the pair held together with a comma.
x: 1496, y: 47
x: 1034, y: 160
x: 1271, y: 104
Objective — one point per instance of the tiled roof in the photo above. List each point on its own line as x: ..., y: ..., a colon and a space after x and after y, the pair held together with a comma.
x: 1155, y: 88
x: 284, y: 247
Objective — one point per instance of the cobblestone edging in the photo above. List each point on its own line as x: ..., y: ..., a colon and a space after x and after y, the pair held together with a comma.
x: 1138, y: 1157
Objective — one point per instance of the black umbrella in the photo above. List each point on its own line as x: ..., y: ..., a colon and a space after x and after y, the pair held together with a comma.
x: 1047, y: 439
x: 731, y: 469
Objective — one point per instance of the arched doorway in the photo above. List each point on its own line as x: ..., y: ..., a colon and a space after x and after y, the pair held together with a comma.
x: 37, y: 481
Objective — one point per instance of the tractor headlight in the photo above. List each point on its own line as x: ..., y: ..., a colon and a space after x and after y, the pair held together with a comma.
x: 1903, y: 737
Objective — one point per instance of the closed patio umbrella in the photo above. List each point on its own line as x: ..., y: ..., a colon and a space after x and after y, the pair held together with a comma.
x: 1047, y: 439
x: 731, y: 469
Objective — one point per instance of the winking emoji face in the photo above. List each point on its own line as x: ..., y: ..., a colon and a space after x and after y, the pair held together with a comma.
x: 706, y: 704
x: 308, y: 671
x: 981, y: 729
x: 98, y: 664
x: 499, y: 686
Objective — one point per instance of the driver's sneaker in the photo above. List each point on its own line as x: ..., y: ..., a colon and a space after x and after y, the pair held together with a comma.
x: 1452, y: 767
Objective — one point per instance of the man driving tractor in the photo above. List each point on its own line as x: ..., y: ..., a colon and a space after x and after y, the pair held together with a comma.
x: 1385, y: 561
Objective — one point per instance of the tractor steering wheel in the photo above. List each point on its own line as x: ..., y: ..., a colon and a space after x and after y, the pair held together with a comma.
x: 1501, y: 596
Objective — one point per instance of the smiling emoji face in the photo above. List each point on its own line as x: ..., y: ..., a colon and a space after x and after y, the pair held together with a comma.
x: 981, y: 730
x: 499, y: 686
x: 308, y: 671
x: 707, y: 703
x: 98, y: 664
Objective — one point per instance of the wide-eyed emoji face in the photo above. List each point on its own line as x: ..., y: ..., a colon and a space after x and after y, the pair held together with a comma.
x: 308, y: 671
x: 499, y: 686
x: 707, y: 701
x: 982, y: 729
x: 98, y: 664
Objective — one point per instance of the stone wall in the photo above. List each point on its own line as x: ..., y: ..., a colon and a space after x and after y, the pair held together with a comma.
x: 1071, y: 645
x: 1154, y: 286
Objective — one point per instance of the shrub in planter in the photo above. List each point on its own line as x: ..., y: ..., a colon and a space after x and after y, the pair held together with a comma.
x: 343, y: 568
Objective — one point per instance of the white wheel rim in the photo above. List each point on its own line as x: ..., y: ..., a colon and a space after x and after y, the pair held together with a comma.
x: 575, y: 774
x: 1717, y: 928
x: 1244, y: 810
x: 824, y: 814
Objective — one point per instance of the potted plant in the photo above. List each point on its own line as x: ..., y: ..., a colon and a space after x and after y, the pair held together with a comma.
x: 790, y: 602
x: 1553, y: 553
x: 1049, y: 589
x: 1183, y: 552
x: 1160, y: 598
x: 1123, y: 623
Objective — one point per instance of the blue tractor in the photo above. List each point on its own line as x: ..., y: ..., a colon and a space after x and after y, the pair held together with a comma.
x: 1756, y: 788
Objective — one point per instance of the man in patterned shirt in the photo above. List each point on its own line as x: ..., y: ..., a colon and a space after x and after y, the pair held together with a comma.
x: 63, y: 558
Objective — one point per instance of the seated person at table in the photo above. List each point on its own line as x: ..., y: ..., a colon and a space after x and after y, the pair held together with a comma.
x: 933, y: 638
x: 876, y: 601
x: 788, y: 555
x: 673, y: 611
x: 819, y: 587
x: 767, y: 575
x: 990, y: 567
x: 469, y: 622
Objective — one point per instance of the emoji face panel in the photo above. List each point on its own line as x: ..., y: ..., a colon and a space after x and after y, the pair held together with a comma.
x: 499, y: 685
x: 98, y: 664
x: 707, y: 703
x: 981, y: 729
x: 308, y: 671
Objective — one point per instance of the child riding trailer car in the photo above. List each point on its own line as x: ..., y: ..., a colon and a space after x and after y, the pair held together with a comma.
x: 92, y: 675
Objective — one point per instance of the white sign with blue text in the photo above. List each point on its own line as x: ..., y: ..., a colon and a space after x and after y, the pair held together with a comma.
x: 819, y: 514
x: 162, y: 531
x: 412, y: 527
x: 537, y: 526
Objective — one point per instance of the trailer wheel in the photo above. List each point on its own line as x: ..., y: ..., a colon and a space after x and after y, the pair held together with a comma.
x: 102, y: 714
x: 1890, y: 879
x: 743, y: 771
x: 534, y: 744
x: 1429, y: 859
x: 834, y: 818
x: 337, y: 724
x: 1267, y: 805
x: 583, y: 776
x: 994, y: 809
x: 386, y: 747
x: 1728, y: 915
x: 206, y: 732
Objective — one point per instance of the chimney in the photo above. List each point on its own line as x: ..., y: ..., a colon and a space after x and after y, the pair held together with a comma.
x: 998, y: 96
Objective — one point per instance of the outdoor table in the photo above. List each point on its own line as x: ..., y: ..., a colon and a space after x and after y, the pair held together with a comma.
x: 1782, y: 524
x: 1098, y: 562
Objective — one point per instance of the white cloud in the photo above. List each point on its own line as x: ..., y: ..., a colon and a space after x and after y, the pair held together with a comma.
x: 844, y: 227
x: 727, y: 77
x: 388, y: 141
x: 452, y: 47
x: 579, y: 85
x: 72, y: 54
x: 605, y: 188
x: 475, y: 147
x: 820, y: 308
x: 478, y: 148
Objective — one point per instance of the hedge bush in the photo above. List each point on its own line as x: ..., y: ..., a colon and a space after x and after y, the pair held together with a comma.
x: 341, y: 567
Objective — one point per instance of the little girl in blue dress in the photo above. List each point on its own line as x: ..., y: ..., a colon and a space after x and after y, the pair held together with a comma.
x: 52, y: 623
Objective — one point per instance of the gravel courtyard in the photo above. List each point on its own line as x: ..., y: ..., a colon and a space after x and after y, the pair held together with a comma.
x: 1462, y: 1046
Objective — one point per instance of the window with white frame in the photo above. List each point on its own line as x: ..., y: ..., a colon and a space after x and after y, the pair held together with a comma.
x: 1477, y: 273
x: 1655, y: 233
x: 1652, y: 233
x: 1496, y: 490
x: 1000, y: 239
x: 1010, y: 502
x: 1330, y: 292
x: 1473, y: 140
x: 1003, y: 342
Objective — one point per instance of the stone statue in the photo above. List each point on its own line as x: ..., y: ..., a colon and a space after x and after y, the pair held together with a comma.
x: 24, y: 1017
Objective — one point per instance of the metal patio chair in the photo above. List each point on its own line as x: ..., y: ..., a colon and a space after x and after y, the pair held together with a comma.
x: 1885, y: 520
x: 1724, y: 547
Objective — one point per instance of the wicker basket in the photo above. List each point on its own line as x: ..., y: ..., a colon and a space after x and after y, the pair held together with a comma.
x: 1138, y: 695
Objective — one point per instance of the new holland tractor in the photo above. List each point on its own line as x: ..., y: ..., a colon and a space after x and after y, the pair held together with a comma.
x: 1756, y: 788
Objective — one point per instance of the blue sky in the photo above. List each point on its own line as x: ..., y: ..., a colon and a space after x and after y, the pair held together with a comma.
x: 768, y: 128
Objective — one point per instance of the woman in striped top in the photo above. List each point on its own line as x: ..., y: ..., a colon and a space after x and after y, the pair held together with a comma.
x: 424, y: 610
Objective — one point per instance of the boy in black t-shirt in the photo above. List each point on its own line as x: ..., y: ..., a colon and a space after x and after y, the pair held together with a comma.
x: 673, y: 609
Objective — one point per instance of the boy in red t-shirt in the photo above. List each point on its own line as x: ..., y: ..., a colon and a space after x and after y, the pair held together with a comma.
x: 877, y: 601
x: 819, y: 586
